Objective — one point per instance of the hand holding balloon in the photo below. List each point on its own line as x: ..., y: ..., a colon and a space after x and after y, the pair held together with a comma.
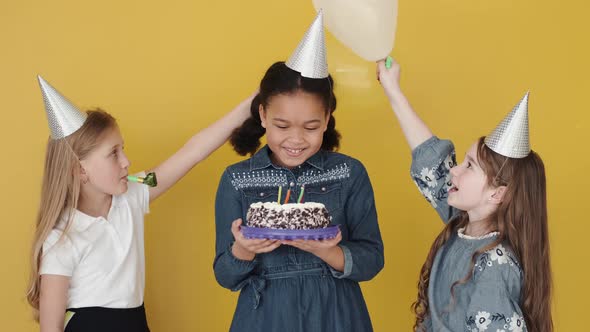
x: 389, y: 78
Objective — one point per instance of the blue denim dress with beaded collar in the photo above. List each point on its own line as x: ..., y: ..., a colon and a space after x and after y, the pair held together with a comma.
x: 289, y: 289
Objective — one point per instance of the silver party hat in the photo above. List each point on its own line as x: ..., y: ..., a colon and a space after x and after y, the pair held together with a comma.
x: 309, y: 58
x: 511, y: 136
x: 64, y: 118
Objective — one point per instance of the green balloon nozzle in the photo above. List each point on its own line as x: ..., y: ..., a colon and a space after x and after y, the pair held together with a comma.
x: 388, y: 62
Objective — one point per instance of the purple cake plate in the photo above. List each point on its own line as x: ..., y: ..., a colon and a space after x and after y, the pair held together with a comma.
x: 329, y: 232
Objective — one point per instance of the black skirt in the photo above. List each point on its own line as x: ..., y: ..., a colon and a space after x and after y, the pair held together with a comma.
x: 99, y: 319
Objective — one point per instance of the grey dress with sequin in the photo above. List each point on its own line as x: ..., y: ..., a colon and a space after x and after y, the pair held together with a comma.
x: 490, y: 299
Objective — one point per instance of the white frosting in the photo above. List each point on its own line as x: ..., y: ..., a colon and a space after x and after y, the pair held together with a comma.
x: 288, y: 216
x: 282, y: 207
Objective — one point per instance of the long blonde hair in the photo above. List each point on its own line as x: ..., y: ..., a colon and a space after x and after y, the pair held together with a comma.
x: 60, y: 189
x: 521, y: 220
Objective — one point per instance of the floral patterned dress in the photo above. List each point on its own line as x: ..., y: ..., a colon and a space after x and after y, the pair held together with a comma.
x: 490, y: 300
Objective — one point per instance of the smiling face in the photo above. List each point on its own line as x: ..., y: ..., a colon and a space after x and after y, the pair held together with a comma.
x: 295, y: 124
x: 106, y: 166
x: 470, y: 190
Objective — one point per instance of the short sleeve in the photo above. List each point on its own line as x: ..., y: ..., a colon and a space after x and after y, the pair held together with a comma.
x: 139, y: 194
x: 59, y: 256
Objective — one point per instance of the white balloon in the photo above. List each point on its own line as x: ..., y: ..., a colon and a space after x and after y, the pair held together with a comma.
x: 365, y: 26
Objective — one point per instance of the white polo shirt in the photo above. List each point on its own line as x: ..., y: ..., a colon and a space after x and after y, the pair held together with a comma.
x: 104, y: 258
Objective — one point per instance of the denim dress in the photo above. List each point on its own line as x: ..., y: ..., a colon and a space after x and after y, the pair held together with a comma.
x: 490, y: 299
x: 289, y: 289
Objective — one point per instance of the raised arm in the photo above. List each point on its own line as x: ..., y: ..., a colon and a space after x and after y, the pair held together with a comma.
x: 199, y: 147
x: 414, y: 129
x: 432, y: 159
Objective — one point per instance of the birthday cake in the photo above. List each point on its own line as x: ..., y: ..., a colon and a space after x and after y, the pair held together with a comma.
x: 292, y: 216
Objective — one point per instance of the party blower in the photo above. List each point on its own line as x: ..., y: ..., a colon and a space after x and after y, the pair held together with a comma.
x: 149, y: 180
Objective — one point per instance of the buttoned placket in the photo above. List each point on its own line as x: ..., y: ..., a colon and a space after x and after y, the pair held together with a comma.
x: 295, y: 191
x: 114, y: 234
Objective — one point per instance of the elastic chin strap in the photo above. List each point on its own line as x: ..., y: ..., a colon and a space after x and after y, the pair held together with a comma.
x: 500, y: 170
x: 331, y: 95
x: 74, y: 153
x: 65, y: 139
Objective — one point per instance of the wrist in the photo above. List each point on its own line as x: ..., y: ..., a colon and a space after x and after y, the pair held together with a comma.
x: 395, y: 96
x: 325, y: 253
x: 242, y: 253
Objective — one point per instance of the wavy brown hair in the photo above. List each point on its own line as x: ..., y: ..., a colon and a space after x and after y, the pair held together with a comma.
x: 521, y: 220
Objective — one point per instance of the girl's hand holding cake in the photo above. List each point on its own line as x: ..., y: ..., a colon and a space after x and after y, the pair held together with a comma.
x: 246, y: 249
x: 327, y: 250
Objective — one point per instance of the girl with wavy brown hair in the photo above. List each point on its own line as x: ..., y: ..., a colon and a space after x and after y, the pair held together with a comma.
x: 488, y: 269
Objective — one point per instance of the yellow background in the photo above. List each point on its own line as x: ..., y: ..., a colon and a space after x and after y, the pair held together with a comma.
x: 166, y: 69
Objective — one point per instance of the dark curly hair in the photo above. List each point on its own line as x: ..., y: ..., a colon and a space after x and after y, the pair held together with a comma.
x: 280, y: 79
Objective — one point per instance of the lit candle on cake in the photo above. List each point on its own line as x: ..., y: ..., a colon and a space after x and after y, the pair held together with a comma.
x: 300, y: 199
x: 280, y: 194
